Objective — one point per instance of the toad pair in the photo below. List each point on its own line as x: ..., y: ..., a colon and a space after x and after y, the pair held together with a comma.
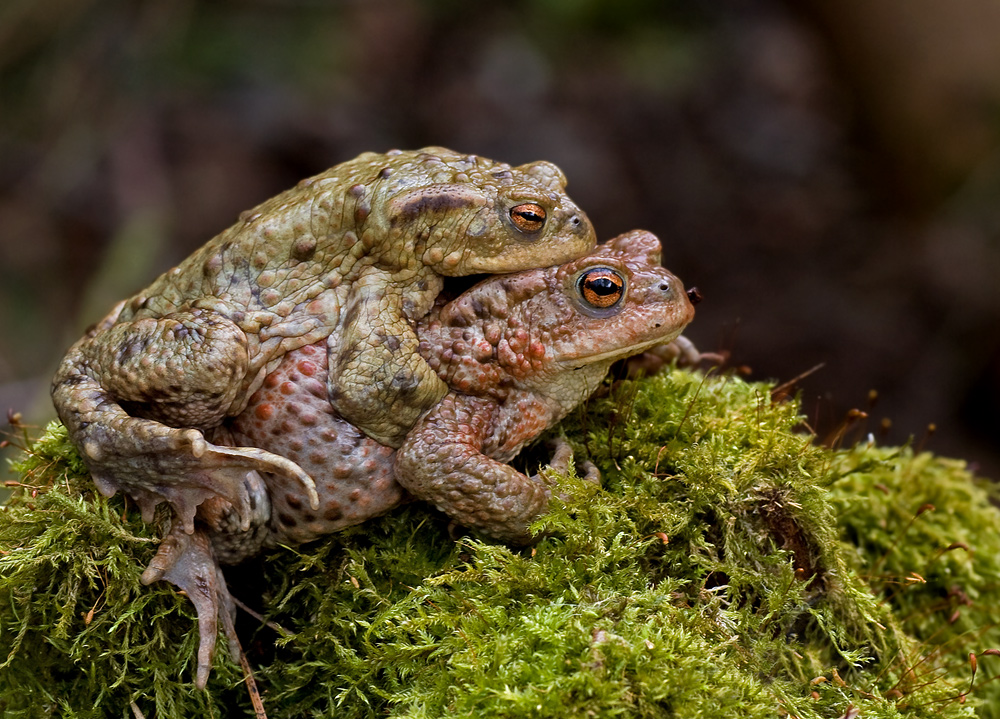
x: 295, y: 376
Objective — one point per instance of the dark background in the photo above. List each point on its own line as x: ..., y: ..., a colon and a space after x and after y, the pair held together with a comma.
x: 825, y: 171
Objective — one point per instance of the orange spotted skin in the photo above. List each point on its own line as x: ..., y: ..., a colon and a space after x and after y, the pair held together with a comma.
x: 291, y: 414
x: 518, y: 352
x: 353, y: 256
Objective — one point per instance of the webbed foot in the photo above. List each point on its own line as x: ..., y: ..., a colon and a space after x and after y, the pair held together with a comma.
x: 185, y: 560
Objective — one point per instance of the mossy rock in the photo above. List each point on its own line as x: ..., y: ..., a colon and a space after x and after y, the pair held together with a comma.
x: 728, y: 567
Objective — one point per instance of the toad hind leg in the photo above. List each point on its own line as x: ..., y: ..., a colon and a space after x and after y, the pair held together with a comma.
x: 186, y: 561
x: 182, y: 371
x: 191, y: 561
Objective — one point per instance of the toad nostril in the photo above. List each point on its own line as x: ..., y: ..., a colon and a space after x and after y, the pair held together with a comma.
x: 694, y: 296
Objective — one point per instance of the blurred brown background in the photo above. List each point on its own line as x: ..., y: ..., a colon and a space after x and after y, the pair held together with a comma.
x: 825, y: 171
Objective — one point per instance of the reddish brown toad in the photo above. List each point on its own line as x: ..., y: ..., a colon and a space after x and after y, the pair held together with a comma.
x: 518, y: 352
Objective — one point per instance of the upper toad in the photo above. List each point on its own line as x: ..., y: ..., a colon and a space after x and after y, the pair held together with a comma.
x: 357, y: 252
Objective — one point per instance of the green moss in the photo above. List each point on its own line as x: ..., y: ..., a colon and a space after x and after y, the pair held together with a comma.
x: 727, y: 567
x: 922, y: 531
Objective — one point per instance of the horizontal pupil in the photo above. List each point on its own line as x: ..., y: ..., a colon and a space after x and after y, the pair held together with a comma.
x: 603, y: 286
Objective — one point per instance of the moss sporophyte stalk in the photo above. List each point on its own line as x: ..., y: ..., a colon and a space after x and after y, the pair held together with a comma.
x: 728, y: 566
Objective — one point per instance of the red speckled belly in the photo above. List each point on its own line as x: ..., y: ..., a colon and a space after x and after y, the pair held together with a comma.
x: 291, y: 415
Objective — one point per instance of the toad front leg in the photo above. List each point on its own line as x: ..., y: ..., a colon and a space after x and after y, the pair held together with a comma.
x: 134, y: 397
x: 442, y: 461
x: 378, y: 381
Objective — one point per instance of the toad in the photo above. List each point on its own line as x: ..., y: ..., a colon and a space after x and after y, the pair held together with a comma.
x: 351, y: 257
x: 517, y: 352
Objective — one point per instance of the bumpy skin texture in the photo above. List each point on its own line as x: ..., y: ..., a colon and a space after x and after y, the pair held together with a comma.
x: 518, y: 352
x: 353, y: 257
x: 291, y: 415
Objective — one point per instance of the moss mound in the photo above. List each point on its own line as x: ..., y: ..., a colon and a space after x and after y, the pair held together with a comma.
x: 727, y: 567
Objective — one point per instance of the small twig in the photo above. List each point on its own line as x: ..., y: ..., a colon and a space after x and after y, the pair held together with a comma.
x: 782, y: 389
x: 260, y: 618
x: 258, y: 703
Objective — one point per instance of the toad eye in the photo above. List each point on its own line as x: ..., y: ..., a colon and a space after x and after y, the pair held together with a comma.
x: 528, y: 217
x: 601, y: 288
